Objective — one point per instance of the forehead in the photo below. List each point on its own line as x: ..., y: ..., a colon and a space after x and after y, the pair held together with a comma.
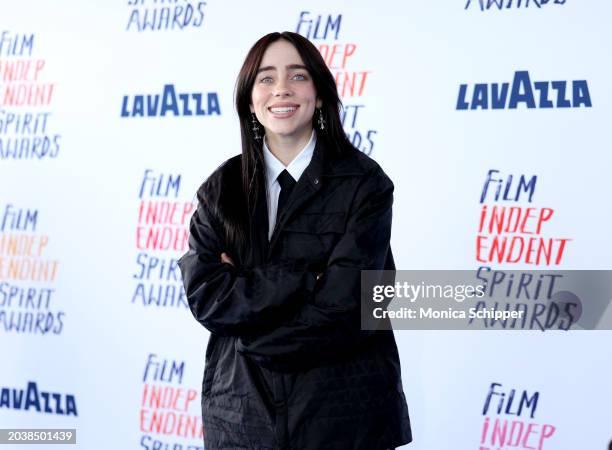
x: 280, y: 54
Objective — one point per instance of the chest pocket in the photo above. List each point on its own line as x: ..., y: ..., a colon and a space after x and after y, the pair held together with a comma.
x: 312, y: 236
x: 318, y: 223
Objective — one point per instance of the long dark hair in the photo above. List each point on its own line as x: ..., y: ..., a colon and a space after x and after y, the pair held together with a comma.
x: 334, y: 139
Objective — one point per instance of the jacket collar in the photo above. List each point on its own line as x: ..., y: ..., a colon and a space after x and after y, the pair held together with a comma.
x: 327, y: 163
x: 295, y: 168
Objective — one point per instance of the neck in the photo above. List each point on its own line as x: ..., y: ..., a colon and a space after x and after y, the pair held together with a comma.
x: 286, y: 148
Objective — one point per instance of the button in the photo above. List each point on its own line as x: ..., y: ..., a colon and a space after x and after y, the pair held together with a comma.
x: 316, y: 181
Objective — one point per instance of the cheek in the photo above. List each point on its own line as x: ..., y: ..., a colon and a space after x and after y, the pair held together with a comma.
x: 257, y: 97
x: 310, y: 94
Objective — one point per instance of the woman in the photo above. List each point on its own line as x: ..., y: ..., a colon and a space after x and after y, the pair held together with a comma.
x: 276, y: 249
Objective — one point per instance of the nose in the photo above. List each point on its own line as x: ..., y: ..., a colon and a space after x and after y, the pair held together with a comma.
x: 282, y: 89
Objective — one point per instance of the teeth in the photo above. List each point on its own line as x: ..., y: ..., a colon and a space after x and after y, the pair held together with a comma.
x: 283, y: 110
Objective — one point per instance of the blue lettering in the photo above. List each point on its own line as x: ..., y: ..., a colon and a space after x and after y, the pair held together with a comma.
x: 138, y: 107
x: 562, y: 101
x: 509, y: 4
x: 498, y: 97
x: 124, y: 111
x: 4, y: 398
x: 198, y: 100
x: 152, y: 105
x: 521, y: 78
x: 331, y: 25
x: 169, y: 100
x: 524, y: 186
x: 164, y: 18
x: 19, y: 219
x: 461, y: 103
x: 160, y: 185
x: 581, y: 94
x: 17, y: 398
x: 18, y: 45
x: 133, y: 20
x: 213, y: 104
x: 32, y: 399
x: 480, y: 97
x: 71, y: 409
x: 160, y: 295
x: 185, y: 99
x: 542, y: 86
x: 178, y: 104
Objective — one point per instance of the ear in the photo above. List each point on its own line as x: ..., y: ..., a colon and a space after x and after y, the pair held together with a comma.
x: 251, y: 108
x: 319, y: 103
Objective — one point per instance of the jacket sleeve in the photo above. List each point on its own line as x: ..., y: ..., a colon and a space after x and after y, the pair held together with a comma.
x: 328, y: 324
x: 231, y: 301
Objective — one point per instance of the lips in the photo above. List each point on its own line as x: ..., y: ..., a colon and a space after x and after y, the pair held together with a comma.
x: 284, y: 110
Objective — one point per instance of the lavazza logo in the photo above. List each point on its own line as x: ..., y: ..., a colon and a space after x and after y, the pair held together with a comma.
x: 523, y: 91
x: 170, y: 103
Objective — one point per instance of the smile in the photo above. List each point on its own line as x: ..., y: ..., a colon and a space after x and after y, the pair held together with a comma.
x: 283, y: 111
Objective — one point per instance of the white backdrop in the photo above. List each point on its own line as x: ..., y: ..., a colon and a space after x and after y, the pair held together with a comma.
x: 80, y: 317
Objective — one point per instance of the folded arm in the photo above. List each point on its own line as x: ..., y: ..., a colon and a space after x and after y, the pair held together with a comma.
x: 231, y: 301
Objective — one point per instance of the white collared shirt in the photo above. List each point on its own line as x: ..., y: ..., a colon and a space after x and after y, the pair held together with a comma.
x: 273, y: 169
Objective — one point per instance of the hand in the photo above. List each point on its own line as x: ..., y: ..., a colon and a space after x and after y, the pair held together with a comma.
x: 226, y: 259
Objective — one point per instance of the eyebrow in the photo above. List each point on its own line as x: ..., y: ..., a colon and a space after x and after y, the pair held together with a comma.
x: 290, y: 66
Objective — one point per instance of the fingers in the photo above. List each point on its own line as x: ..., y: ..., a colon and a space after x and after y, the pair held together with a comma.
x: 226, y: 259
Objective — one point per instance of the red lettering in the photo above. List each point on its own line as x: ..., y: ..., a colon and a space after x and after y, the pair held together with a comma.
x: 351, y: 83
x: 164, y: 212
x: 530, y: 430
x: 21, y: 70
x: 171, y: 423
x: 520, y: 249
x: 545, y: 215
x: 23, y: 94
x: 344, y: 51
x: 161, y: 238
x: 480, y: 247
x: 526, y: 216
x: 503, y: 219
x: 496, y: 435
x: 188, y: 208
x: 497, y: 219
x: 547, y: 432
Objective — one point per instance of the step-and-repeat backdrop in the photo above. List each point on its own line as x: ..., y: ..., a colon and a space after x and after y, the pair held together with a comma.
x: 113, y: 113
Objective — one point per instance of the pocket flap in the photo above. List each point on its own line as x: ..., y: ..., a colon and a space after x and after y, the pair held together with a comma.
x: 318, y: 223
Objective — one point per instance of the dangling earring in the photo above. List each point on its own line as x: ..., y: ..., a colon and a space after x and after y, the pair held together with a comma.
x: 321, y: 120
x: 255, y: 127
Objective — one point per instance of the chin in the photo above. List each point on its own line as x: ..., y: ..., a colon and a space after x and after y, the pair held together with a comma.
x: 283, y: 132
x: 288, y: 130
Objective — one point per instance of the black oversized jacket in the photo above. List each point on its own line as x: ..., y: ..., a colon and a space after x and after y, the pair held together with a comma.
x: 287, y: 365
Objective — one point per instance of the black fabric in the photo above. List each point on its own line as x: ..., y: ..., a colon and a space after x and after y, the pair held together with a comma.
x: 287, y: 183
x: 287, y: 365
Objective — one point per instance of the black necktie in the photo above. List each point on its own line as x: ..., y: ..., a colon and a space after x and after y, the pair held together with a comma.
x: 287, y: 183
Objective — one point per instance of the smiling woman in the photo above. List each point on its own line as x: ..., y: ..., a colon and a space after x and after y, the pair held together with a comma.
x: 284, y: 100
x: 276, y: 249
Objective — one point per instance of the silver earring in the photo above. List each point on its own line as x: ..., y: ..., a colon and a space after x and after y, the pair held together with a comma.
x: 255, y: 127
x: 321, y: 120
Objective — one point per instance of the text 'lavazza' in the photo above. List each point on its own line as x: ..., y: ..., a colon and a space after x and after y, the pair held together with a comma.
x: 531, y: 94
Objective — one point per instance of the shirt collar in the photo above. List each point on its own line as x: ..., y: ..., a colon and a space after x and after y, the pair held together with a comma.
x: 296, y: 167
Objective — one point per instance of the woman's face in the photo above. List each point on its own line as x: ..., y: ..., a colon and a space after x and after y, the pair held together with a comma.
x: 283, y: 96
